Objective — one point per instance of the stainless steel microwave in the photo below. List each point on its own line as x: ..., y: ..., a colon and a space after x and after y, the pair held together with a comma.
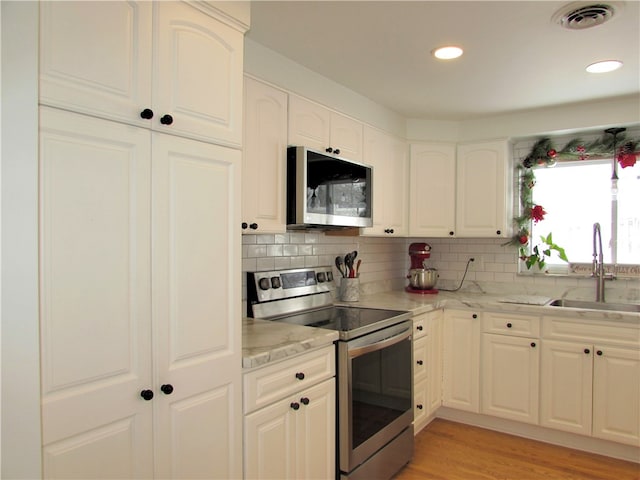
x: 327, y: 191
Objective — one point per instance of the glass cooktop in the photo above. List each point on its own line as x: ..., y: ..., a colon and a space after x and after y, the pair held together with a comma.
x: 349, y: 322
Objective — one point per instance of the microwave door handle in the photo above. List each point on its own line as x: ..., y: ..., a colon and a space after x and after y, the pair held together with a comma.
x: 356, y: 352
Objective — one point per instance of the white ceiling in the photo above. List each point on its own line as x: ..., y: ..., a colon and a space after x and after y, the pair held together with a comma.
x: 515, y: 57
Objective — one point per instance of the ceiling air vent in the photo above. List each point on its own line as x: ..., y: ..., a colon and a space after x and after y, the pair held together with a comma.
x: 581, y: 15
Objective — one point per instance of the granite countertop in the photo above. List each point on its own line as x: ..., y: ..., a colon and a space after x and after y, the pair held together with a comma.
x: 264, y: 341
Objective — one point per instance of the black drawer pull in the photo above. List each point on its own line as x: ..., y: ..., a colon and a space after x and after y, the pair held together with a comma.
x: 300, y: 376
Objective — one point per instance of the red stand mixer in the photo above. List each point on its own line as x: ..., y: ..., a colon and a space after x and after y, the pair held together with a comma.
x: 422, y: 279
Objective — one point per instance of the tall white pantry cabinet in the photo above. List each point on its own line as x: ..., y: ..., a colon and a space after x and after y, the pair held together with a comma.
x: 140, y: 136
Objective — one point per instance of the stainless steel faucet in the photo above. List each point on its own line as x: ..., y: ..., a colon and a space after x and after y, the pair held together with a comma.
x: 598, y: 264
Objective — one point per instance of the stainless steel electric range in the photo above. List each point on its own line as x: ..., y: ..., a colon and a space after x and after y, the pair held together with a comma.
x: 374, y: 366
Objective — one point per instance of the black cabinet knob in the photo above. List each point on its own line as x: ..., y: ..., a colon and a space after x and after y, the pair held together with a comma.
x: 147, y: 394
x: 599, y: 353
x: 295, y: 405
x: 475, y: 315
x: 388, y: 230
x: 587, y: 351
x: 533, y: 344
x: 509, y: 325
x: 419, y: 406
x: 498, y: 232
x: 419, y: 362
x: 329, y: 150
x: 167, y: 389
x: 166, y: 119
x: 420, y: 327
x: 300, y: 376
x: 147, y: 114
x: 253, y: 226
x: 337, y: 151
x: 245, y: 225
x: 451, y: 233
x: 304, y: 401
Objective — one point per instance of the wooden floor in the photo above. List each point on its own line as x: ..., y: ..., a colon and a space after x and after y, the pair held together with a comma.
x: 453, y: 451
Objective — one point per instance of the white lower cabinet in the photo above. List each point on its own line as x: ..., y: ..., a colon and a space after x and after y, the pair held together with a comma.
x: 461, y: 344
x: 427, y: 367
x: 510, y: 373
x: 289, y: 424
x: 591, y: 389
x: 510, y: 366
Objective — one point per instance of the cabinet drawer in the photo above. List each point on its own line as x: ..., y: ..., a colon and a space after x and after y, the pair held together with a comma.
x: 510, y: 324
x: 420, y: 326
x: 577, y: 329
x: 420, y: 354
x: 273, y: 382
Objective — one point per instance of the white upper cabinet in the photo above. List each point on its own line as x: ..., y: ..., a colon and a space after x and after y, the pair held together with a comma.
x: 314, y: 126
x: 462, y: 192
x: 483, y: 194
x: 264, y: 158
x: 164, y: 65
x: 388, y: 157
x: 432, y: 190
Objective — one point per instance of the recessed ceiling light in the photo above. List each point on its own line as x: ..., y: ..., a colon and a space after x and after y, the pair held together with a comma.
x: 604, y: 67
x: 447, y: 53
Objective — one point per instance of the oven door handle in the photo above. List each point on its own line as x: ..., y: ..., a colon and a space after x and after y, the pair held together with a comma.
x: 387, y: 342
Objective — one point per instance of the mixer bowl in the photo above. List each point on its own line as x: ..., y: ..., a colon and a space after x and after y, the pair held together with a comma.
x: 423, y: 278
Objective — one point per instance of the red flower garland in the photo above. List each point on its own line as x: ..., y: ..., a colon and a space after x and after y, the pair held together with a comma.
x: 537, y: 213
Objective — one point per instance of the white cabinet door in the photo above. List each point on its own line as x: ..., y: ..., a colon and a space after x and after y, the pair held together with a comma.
x: 388, y: 157
x: 346, y: 136
x: 197, y: 335
x: 314, y: 126
x: 116, y: 59
x: 95, y: 58
x: 264, y: 158
x: 270, y: 443
x: 293, y: 437
x: 95, y: 315
x: 432, y: 190
x: 316, y: 431
x: 309, y: 124
x: 566, y: 375
x: 461, y: 387
x: 510, y: 373
x: 616, y: 394
x: 483, y: 190
x: 197, y: 78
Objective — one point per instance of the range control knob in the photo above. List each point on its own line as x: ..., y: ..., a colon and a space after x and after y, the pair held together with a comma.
x: 275, y: 282
x: 322, y: 277
x: 264, y: 283
x: 329, y: 276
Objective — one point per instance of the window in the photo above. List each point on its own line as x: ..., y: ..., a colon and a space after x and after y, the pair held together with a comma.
x: 576, y: 195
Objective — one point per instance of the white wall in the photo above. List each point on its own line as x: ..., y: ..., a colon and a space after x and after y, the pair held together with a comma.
x: 20, y: 342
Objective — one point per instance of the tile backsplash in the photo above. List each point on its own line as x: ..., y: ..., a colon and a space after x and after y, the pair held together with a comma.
x: 385, y: 263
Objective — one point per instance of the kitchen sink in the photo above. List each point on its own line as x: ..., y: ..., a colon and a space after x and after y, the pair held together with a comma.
x: 608, y: 306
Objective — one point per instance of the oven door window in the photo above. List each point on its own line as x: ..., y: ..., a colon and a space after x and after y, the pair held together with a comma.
x: 381, y: 390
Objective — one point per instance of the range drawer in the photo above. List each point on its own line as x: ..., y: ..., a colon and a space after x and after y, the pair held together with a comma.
x: 511, y: 324
x: 266, y: 385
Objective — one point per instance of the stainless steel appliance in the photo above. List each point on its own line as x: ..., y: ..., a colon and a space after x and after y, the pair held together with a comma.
x: 374, y: 366
x: 325, y: 190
